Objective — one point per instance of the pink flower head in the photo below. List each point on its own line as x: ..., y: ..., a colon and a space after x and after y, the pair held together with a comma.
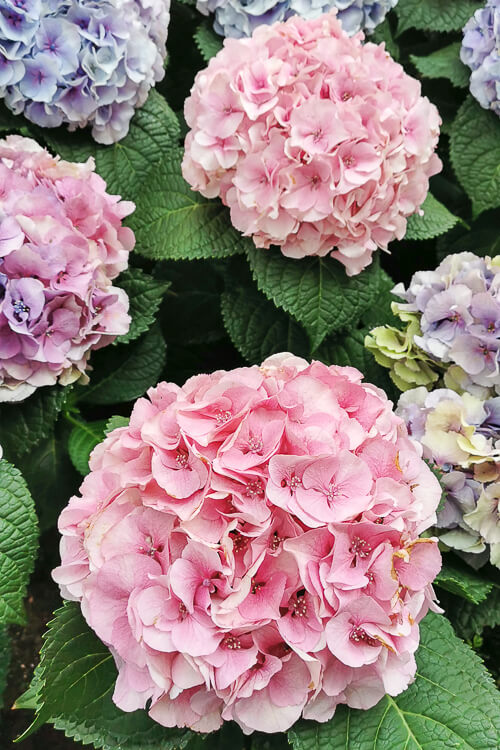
x: 316, y: 141
x: 248, y: 547
x: 61, y: 245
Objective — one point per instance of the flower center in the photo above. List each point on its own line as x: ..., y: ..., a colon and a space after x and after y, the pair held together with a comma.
x: 358, y: 635
x: 360, y: 547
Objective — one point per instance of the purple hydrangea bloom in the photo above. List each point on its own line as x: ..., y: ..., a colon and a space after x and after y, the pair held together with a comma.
x: 238, y: 18
x: 481, y: 52
x: 458, y: 309
x: 81, y: 62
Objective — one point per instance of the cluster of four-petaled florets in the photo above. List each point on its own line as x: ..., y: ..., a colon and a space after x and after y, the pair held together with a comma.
x: 248, y: 547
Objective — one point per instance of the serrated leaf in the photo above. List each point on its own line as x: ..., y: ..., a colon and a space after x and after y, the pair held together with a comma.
x: 125, y: 372
x: 23, y: 425
x: 444, y: 63
x: 82, y: 440
x: 75, y: 683
x: 145, y: 295
x: 207, y: 41
x: 348, y: 350
x: 18, y: 543
x: 452, y: 704
x: 173, y: 222
x: 434, y: 15
x: 257, y: 328
x: 463, y: 581
x: 316, y: 291
x: 380, y: 313
x: 470, y: 619
x: 475, y: 154
x: 115, y: 422
x: 436, y: 220
x: 50, y: 475
x: 125, y: 165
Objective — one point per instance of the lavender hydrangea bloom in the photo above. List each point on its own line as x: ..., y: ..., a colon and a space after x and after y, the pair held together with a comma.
x: 81, y: 62
x: 481, y: 52
x: 458, y: 311
x: 460, y: 434
x: 238, y: 18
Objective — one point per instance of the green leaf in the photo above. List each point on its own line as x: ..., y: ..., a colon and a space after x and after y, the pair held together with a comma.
x: 154, y: 131
x: 173, y: 222
x: 470, y: 619
x: 75, y: 683
x: 83, y: 439
x: 444, y: 63
x: 50, y: 475
x: 475, y: 154
x: 125, y: 372
x: 23, y: 425
x: 380, y: 313
x: 463, y: 581
x: 436, y: 220
x: 18, y: 543
x: 435, y: 15
x: 452, y: 704
x: 4, y: 662
x: 207, y: 41
x: 145, y: 294
x: 383, y: 33
x: 257, y: 328
x: 115, y: 422
x: 316, y: 291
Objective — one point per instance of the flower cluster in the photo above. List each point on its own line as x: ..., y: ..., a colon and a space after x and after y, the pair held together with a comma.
x: 453, y: 318
x: 61, y: 244
x: 481, y: 52
x: 248, y: 547
x: 239, y: 18
x: 461, y: 435
x: 81, y: 61
x: 314, y: 140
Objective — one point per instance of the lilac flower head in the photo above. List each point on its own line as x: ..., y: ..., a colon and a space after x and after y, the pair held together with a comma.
x: 61, y: 244
x: 481, y: 52
x: 81, y: 62
x: 460, y: 434
x: 238, y: 18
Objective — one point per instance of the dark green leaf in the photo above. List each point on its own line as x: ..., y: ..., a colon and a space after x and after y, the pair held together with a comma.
x: 475, y: 154
x: 435, y: 15
x: 462, y: 580
x: 173, y: 222
x: 316, y: 291
x: 83, y: 439
x: 145, y: 294
x: 257, y: 328
x: 4, y: 662
x: 115, y: 422
x: 452, y: 704
x: 436, y: 220
x: 75, y: 682
x: 444, y: 63
x: 125, y: 372
x: 23, y: 425
x: 18, y: 543
x: 470, y: 619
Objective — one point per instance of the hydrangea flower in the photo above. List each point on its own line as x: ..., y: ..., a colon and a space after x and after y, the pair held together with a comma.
x: 460, y: 434
x: 81, y: 62
x: 61, y: 244
x: 316, y: 142
x: 452, y: 317
x: 481, y: 52
x: 239, y: 18
x: 248, y: 547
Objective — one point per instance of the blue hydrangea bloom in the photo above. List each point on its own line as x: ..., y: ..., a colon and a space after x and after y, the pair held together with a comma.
x: 81, y: 62
x: 481, y: 52
x: 238, y: 18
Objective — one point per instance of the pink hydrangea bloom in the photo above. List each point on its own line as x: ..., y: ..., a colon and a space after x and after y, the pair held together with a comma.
x: 248, y: 547
x: 61, y: 244
x: 315, y: 141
